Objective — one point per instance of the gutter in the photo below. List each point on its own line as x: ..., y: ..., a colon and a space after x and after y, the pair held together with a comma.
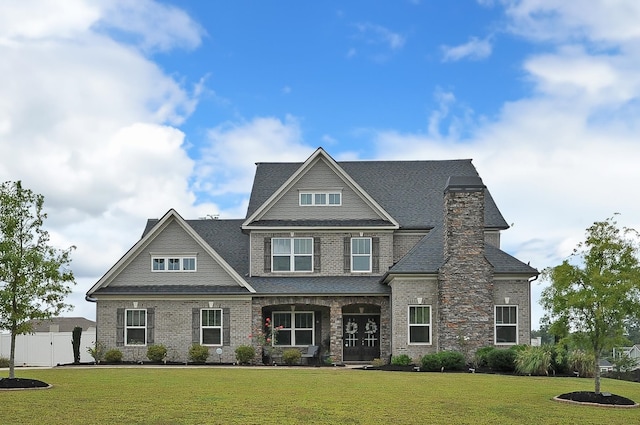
x: 90, y: 299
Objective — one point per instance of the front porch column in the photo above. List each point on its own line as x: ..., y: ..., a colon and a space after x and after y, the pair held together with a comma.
x: 335, y: 315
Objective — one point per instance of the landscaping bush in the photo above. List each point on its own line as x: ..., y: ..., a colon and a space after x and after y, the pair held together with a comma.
x: 198, y: 353
x: 401, y: 360
x: 559, y: 359
x: 156, y: 353
x: 97, y: 351
x: 502, y: 360
x: 4, y: 362
x: 533, y: 360
x: 75, y: 343
x: 291, y: 356
x: 113, y: 356
x: 481, y: 358
x: 245, y: 354
x: 377, y: 362
x: 452, y: 360
x: 581, y: 362
x: 431, y: 362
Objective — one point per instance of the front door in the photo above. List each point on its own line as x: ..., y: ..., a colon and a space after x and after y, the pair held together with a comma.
x: 361, y: 337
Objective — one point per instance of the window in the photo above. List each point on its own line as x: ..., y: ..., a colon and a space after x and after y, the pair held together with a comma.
x: 297, y: 328
x: 320, y: 198
x: 419, y: 324
x: 360, y: 254
x: 211, y: 326
x: 292, y: 254
x: 173, y: 264
x: 135, y: 330
x: 506, y: 324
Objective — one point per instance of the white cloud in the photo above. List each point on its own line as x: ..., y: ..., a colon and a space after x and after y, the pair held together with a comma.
x: 87, y: 122
x: 474, y: 49
x: 379, y: 35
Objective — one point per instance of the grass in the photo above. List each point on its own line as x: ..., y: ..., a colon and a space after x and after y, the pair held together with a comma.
x: 216, y: 395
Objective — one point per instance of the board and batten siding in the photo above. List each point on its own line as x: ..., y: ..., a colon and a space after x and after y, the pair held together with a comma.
x: 173, y: 240
x: 320, y: 178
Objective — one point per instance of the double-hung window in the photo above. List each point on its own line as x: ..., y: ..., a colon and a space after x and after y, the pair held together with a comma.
x: 360, y: 254
x: 173, y: 263
x: 135, y: 330
x: 292, y: 254
x: 506, y: 323
x: 419, y: 324
x: 294, y: 328
x: 211, y: 326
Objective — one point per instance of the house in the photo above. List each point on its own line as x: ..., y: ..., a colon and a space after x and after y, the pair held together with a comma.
x: 366, y: 259
x: 633, y: 353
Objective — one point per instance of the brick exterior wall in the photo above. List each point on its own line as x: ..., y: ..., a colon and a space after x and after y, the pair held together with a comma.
x: 518, y: 291
x: 466, y: 278
x: 173, y: 327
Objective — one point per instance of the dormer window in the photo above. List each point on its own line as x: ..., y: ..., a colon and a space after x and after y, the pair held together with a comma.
x: 332, y: 198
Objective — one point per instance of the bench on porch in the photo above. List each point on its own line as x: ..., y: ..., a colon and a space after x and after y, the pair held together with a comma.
x: 313, y: 352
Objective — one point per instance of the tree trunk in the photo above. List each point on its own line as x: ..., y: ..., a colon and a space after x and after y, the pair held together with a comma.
x: 597, y: 372
x: 12, y: 356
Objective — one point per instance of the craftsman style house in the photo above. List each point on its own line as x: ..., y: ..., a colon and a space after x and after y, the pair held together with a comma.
x: 364, y: 259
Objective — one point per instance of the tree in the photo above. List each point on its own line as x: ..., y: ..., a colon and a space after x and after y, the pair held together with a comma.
x: 596, y: 294
x: 34, y: 277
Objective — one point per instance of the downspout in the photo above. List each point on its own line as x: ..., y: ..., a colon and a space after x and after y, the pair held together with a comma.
x: 530, y: 280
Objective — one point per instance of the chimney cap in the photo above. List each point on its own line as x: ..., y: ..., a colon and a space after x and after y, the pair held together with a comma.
x: 464, y: 184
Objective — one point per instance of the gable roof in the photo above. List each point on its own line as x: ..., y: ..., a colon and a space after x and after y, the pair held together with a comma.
x: 276, y: 193
x: 66, y: 324
x: 411, y: 192
x: 153, y: 229
x: 427, y: 256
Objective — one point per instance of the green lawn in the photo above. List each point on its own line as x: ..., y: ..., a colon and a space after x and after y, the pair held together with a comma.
x: 217, y: 395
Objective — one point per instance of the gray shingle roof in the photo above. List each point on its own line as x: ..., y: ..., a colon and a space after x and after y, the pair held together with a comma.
x: 411, y: 191
x: 173, y: 290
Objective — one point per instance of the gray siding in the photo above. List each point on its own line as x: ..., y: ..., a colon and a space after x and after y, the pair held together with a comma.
x: 320, y: 177
x: 173, y: 240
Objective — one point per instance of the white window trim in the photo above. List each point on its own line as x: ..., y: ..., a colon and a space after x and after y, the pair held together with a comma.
x: 202, y: 327
x: 292, y: 256
x: 182, y: 259
x: 409, y: 325
x: 313, y: 198
x: 496, y: 324
x: 126, y: 327
x: 293, y: 327
x: 370, y: 255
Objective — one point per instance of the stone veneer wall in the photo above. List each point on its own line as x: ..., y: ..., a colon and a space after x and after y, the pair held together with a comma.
x: 172, y: 326
x: 332, y: 324
x: 466, y: 277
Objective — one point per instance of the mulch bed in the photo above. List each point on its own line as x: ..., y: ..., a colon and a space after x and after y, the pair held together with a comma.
x: 21, y: 383
x: 605, y: 399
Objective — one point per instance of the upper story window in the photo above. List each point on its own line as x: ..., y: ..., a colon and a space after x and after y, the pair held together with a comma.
x: 360, y: 254
x: 320, y: 198
x: 506, y: 323
x: 292, y: 254
x: 173, y: 264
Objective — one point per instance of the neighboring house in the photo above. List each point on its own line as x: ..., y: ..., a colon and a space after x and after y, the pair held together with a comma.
x: 632, y: 352
x: 366, y: 259
x: 49, y: 343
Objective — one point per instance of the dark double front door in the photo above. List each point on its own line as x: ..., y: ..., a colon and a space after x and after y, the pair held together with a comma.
x: 360, y: 337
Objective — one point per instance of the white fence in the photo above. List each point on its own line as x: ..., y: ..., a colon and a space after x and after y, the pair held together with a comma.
x: 47, y: 348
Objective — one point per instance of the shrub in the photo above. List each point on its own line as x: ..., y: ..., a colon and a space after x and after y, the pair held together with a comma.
x: 581, y: 362
x: 198, y: 353
x: 502, y: 360
x: 533, y: 361
x: 97, y: 351
x: 481, y: 358
x: 291, y: 356
x: 378, y: 362
x: 559, y: 359
x: 156, y: 353
x: 4, y: 362
x: 113, y: 356
x: 245, y: 353
x: 75, y: 343
x: 431, y: 362
x: 452, y: 360
x: 401, y: 360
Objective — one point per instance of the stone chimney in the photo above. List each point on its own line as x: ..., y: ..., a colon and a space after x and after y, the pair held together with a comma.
x: 465, y: 280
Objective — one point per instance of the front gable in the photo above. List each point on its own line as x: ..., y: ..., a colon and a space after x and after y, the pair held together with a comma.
x: 173, y: 241
x: 319, y: 175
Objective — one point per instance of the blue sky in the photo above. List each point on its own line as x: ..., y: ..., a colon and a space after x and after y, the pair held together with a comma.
x: 117, y: 111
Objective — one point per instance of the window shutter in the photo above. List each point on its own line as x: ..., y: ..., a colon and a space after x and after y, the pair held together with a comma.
x: 226, y: 326
x: 347, y: 254
x: 120, y: 327
x: 195, y: 326
x: 316, y: 255
x: 151, y: 315
x: 267, y: 255
x: 375, y: 255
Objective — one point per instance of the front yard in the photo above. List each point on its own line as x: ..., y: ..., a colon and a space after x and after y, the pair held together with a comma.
x: 220, y: 395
